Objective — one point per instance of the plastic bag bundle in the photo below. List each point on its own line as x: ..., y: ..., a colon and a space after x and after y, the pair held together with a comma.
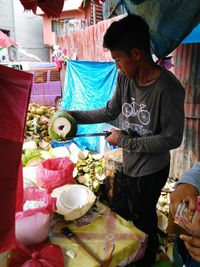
x: 45, y: 255
x: 32, y: 224
x: 55, y: 172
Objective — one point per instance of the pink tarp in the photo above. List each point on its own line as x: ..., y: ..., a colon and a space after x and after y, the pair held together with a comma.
x: 6, y: 41
x: 15, y: 88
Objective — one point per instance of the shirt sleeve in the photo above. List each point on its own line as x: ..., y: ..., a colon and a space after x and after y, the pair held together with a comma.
x: 192, y: 176
x: 106, y: 114
x: 171, y: 123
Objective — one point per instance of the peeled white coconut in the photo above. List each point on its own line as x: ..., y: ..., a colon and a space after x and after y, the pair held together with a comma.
x: 162, y: 221
x: 73, y: 201
x: 74, y: 197
x: 75, y: 150
x: 29, y: 145
x: 170, y: 251
x: 97, y: 156
x: 46, y: 154
x: 86, y: 153
x: 75, y: 172
x: 60, y: 151
x: 74, y: 158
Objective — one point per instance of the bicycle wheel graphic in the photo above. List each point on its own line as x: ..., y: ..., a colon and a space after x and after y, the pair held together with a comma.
x: 143, y: 117
x: 127, y: 110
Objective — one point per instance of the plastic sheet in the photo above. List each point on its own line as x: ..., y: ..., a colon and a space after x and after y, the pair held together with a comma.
x: 88, y: 85
x: 170, y: 21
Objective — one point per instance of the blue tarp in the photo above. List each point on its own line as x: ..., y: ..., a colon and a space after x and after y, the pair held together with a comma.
x: 170, y: 22
x: 193, y: 37
x: 88, y: 85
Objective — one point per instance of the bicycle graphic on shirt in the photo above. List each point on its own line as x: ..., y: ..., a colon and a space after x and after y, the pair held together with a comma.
x: 131, y: 110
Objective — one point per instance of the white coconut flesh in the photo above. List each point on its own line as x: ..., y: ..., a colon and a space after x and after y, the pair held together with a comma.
x: 62, y: 126
x: 74, y: 197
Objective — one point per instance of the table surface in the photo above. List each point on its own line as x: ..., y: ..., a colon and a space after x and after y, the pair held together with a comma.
x: 113, y: 239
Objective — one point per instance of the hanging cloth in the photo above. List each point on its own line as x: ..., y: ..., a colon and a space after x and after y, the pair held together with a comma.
x: 15, y: 88
x: 52, y: 8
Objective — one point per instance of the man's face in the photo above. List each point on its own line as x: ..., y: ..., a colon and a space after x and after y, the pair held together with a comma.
x: 128, y: 65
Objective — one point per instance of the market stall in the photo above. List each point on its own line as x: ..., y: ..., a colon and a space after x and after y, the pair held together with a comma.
x: 95, y: 237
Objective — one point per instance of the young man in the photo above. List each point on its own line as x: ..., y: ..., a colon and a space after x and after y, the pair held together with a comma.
x: 187, y: 189
x: 151, y: 101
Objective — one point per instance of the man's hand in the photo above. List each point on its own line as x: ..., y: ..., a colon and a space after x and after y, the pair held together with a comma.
x: 184, y: 192
x: 193, y: 246
x: 114, y: 137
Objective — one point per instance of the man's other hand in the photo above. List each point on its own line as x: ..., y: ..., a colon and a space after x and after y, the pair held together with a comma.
x: 113, y: 138
x: 184, y: 193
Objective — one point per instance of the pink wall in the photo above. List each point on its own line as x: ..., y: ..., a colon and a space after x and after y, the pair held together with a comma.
x: 49, y: 36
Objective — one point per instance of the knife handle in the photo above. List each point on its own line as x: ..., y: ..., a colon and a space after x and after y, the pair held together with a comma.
x: 107, y: 133
x: 66, y: 231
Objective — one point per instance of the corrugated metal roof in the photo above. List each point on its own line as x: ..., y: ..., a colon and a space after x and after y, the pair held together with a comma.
x: 186, y: 61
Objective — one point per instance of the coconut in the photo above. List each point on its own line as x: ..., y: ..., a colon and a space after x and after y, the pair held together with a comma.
x: 62, y: 125
x: 34, y: 162
x: 162, y: 221
x: 73, y: 201
x: 170, y: 251
x: 59, y: 152
x: 29, y: 145
x: 44, y: 145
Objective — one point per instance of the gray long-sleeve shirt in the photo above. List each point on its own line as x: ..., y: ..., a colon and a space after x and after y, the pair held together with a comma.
x: 156, y: 112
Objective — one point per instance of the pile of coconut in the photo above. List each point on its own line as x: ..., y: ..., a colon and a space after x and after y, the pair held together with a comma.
x: 37, y: 123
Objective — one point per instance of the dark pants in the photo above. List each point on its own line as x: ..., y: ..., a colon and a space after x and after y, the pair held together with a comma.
x: 138, y: 197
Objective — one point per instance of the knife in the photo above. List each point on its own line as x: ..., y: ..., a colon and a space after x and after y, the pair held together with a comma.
x: 74, y: 238
x: 104, y: 133
x: 128, y: 132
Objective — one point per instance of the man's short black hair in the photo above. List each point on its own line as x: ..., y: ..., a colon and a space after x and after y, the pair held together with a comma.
x: 129, y: 32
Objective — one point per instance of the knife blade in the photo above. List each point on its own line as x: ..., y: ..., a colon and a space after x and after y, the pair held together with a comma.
x: 104, y: 133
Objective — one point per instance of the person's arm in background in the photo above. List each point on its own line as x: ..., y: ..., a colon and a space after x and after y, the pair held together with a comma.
x: 187, y: 189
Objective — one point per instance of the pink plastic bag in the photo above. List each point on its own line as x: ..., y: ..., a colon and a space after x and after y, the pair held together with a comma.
x: 32, y: 225
x: 55, y: 172
x: 45, y: 255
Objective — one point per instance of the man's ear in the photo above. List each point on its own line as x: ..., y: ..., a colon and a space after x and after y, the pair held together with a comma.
x: 135, y: 53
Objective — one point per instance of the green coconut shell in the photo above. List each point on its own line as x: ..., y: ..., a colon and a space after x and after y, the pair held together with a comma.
x: 52, y: 125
